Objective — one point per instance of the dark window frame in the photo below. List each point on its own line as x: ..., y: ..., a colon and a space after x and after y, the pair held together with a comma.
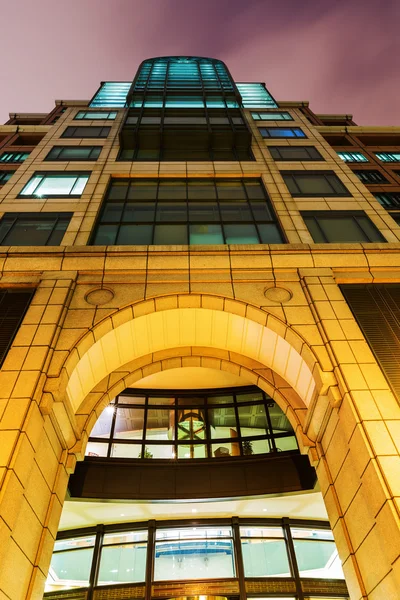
x: 92, y: 149
x: 92, y: 132
x: 87, y: 114
x: 371, y: 176
x: 52, y: 174
x: 270, y: 133
x: 325, y: 174
x: 55, y: 217
x: 341, y: 214
x: 207, y: 442
x: 273, y: 220
x: 277, y: 150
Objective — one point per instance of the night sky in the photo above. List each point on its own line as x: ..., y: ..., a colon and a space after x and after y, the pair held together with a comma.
x: 342, y: 56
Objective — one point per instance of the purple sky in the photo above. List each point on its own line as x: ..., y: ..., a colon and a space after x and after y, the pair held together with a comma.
x: 341, y: 55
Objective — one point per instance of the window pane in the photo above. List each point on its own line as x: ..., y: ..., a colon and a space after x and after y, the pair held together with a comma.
x: 55, y: 186
x: 170, y: 234
x: 254, y: 190
x: 139, y: 211
x: 126, y: 451
x: 255, y: 396
x: 192, y: 451
x: 172, y: 190
x: 241, y: 234
x: 118, y: 190
x: 314, y: 184
x: 165, y: 451
x: 102, y: 426
x: 230, y: 190
x: 265, y: 558
x: 70, y: 569
x: 342, y: 229
x: 105, y: 235
x: 29, y: 232
x: 96, y: 449
x: 318, y: 559
x: 112, y: 212
x: 163, y: 401
x: 225, y: 449
x: 171, y: 211
x: 270, y: 233
x: 370, y: 230
x: 235, y: 211
x: 203, y: 211
x: 253, y: 420
x: 129, y: 423
x: 160, y: 424
x: 206, y: 234
x: 120, y: 564
x: 201, y: 190
x: 140, y: 235
x: 222, y: 423
x: 194, y: 559
x: 261, y: 532
x: 286, y: 443
x: 220, y: 399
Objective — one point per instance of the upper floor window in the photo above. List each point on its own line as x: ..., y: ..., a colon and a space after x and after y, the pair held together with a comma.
x: 341, y: 227
x: 371, y: 177
x: 194, y: 211
x: 294, y: 153
x: 33, y: 229
x: 314, y: 183
x: 272, y: 116
x: 389, y: 199
x: 388, y: 156
x: 46, y: 185
x: 5, y: 176
x: 96, y: 115
x: 352, y: 157
x: 14, y: 157
x: 282, y: 132
x: 74, y: 153
x: 220, y: 424
x: 86, y: 132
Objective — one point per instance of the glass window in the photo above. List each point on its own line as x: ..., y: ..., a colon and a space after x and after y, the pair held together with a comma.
x: 86, y: 132
x: 295, y: 153
x: 352, y: 157
x: 316, y: 553
x: 241, y: 234
x: 5, y: 176
x: 43, y: 185
x: 96, y: 116
x: 371, y: 177
x: 14, y: 157
x: 196, y: 553
x: 331, y: 227
x: 388, y: 156
x: 271, y: 116
x: 282, y: 132
x: 186, y: 211
x: 33, y: 229
x: 312, y: 183
x: 71, y: 563
x: 123, y: 558
x: 192, y: 426
x: 265, y: 556
x: 74, y: 153
x: 129, y: 423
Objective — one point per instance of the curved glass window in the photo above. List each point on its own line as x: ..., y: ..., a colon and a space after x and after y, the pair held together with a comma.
x: 187, y: 425
x: 155, y: 552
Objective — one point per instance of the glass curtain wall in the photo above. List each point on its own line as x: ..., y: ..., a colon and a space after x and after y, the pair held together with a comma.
x: 185, y: 551
x: 215, y: 424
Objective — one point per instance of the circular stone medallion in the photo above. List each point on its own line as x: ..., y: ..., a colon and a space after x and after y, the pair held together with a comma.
x: 99, y: 296
x: 278, y: 294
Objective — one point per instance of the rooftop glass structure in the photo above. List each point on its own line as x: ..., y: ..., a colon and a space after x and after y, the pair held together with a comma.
x: 160, y: 82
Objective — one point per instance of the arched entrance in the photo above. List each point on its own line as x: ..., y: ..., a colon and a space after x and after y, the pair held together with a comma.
x: 166, y: 333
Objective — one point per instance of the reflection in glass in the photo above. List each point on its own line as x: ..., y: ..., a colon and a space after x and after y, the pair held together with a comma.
x: 129, y: 423
x: 265, y: 558
x: 70, y: 568
x: 122, y: 564
x: 194, y: 555
x: 253, y: 420
x: 318, y: 559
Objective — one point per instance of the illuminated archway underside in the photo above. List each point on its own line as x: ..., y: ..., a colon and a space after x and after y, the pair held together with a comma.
x: 207, y: 331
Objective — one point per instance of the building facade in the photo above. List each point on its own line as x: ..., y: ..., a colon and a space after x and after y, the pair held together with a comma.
x: 199, y: 345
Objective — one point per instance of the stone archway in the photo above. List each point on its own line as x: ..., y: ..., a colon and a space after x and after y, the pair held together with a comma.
x: 233, y: 335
